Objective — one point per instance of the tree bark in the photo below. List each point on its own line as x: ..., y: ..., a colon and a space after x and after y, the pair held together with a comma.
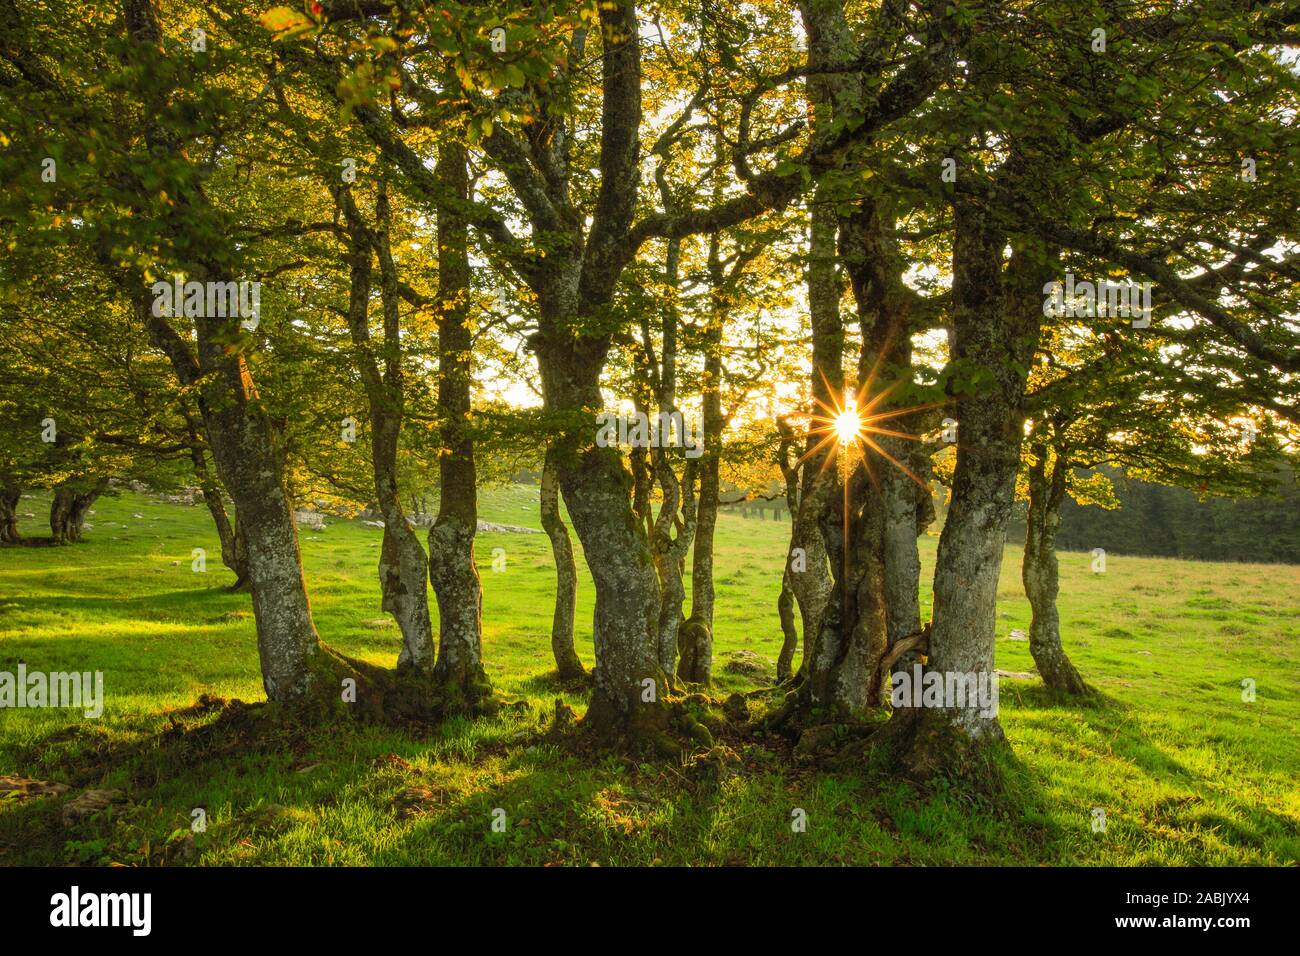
x: 1039, y: 572
x: 10, y: 494
x: 567, y: 663
x: 996, y: 325
x: 785, y: 602
x: 891, y: 505
x: 233, y: 556
x: 628, y: 683
x: 459, y: 668
x: 68, y: 508
x: 700, y: 623
x: 403, y: 568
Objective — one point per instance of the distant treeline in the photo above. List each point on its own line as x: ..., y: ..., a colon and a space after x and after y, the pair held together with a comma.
x: 1174, y: 522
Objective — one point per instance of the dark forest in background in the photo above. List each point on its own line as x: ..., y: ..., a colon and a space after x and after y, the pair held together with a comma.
x: 1170, y: 522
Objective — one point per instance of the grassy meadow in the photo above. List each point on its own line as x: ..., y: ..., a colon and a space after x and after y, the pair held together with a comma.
x: 1184, y: 769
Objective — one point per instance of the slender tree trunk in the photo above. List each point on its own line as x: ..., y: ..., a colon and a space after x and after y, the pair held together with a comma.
x: 674, y: 531
x: 403, y: 568
x: 699, y: 628
x: 706, y: 520
x: 567, y: 663
x: 451, y: 539
x: 10, y: 494
x: 232, y: 555
x: 69, y: 506
x: 785, y: 602
x: 1039, y: 573
x: 789, y: 631
x: 834, y: 679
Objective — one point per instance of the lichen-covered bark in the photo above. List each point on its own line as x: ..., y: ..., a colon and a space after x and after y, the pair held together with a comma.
x: 567, y: 663
x: 596, y: 492
x: 673, y: 533
x: 68, y: 507
x: 597, y: 489
x: 834, y: 659
x: 10, y: 494
x: 1039, y: 572
x: 996, y: 324
x: 459, y: 668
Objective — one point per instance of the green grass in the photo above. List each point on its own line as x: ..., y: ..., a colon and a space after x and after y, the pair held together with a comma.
x: 1186, y: 772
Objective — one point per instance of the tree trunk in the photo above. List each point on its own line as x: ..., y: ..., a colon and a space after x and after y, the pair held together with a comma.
x: 891, y: 502
x: 789, y: 632
x: 673, y: 533
x: 403, y: 568
x: 996, y: 327
x: 567, y: 663
x: 833, y: 679
x: 1039, y: 573
x: 700, y: 624
x: 69, y: 506
x: 10, y: 494
x: 629, y: 685
x: 627, y: 596
x: 459, y: 669
x: 232, y: 555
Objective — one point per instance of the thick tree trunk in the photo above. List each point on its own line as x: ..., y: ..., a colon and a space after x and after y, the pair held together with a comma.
x: 996, y: 329
x: 1039, y: 573
x: 235, y: 419
x: 459, y: 669
x: 10, y: 494
x: 69, y: 505
x: 834, y: 679
x: 628, y: 683
x: 567, y: 663
x: 243, y: 447
x: 890, y: 509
